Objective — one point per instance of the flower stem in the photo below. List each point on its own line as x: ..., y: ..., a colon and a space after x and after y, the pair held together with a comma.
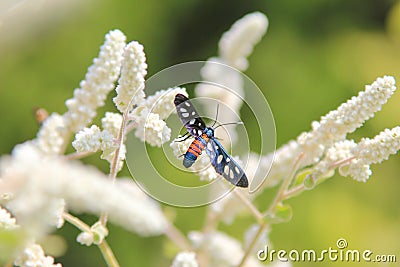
x: 77, y: 155
x: 76, y: 222
x: 293, y: 191
x: 280, y: 196
x: 177, y: 237
x: 108, y: 254
x: 114, y: 164
x: 250, y: 205
x: 252, y: 244
x: 341, y: 162
x: 105, y: 249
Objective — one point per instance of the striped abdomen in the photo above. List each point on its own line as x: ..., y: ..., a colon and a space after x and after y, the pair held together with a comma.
x: 194, y: 150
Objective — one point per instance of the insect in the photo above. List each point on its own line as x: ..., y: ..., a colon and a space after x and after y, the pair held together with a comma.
x: 223, y: 163
x: 40, y: 114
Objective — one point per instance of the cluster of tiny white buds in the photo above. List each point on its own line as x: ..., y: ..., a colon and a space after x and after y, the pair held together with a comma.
x: 33, y: 256
x: 93, y: 139
x: 96, y: 235
x: 148, y: 117
x: 152, y: 129
x: 237, y: 43
x: 378, y: 149
x: 185, y: 259
x: 131, y: 82
x: 52, y: 136
x: 371, y: 151
x: 339, y: 151
x: 112, y: 123
x: 99, y: 81
x: 357, y: 169
x: 347, y: 118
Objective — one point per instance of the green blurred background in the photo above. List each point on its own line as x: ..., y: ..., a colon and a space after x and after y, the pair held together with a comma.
x: 316, y: 55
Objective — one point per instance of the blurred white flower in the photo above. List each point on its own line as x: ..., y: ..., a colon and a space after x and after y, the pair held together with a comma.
x: 223, y: 81
x: 283, y: 160
x: 38, y: 183
x: 99, y: 81
x: 185, y: 259
x: 33, y: 256
x: 229, y: 206
x: 7, y: 222
x: 225, y: 85
x: 162, y: 102
x: 251, y: 233
x: 24, y: 20
x: 131, y: 83
x: 237, y: 44
x: 222, y: 249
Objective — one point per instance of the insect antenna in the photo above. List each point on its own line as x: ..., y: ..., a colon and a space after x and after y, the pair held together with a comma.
x: 219, y: 125
x: 216, y: 116
x: 229, y: 123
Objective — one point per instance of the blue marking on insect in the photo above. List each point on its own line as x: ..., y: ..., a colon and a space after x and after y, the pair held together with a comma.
x: 222, y: 162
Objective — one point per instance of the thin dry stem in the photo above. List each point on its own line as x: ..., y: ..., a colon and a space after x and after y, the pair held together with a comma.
x: 257, y: 214
x: 177, y: 237
x: 76, y: 222
x: 252, y: 244
x: 78, y: 155
x: 278, y: 198
x: 341, y: 162
x: 105, y: 249
x: 114, y: 164
x: 285, y: 184
x: 293, y: 191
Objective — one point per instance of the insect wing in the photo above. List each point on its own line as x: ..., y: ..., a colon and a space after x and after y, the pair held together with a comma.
x: 225, y: 165
x: 189, y: 116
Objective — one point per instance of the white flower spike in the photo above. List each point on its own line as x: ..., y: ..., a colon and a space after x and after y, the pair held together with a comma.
x: 131, y: 83
x: 99, y: 81
x: 237, y: 43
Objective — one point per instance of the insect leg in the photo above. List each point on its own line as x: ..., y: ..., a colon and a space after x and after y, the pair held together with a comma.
x: 185, y: 137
